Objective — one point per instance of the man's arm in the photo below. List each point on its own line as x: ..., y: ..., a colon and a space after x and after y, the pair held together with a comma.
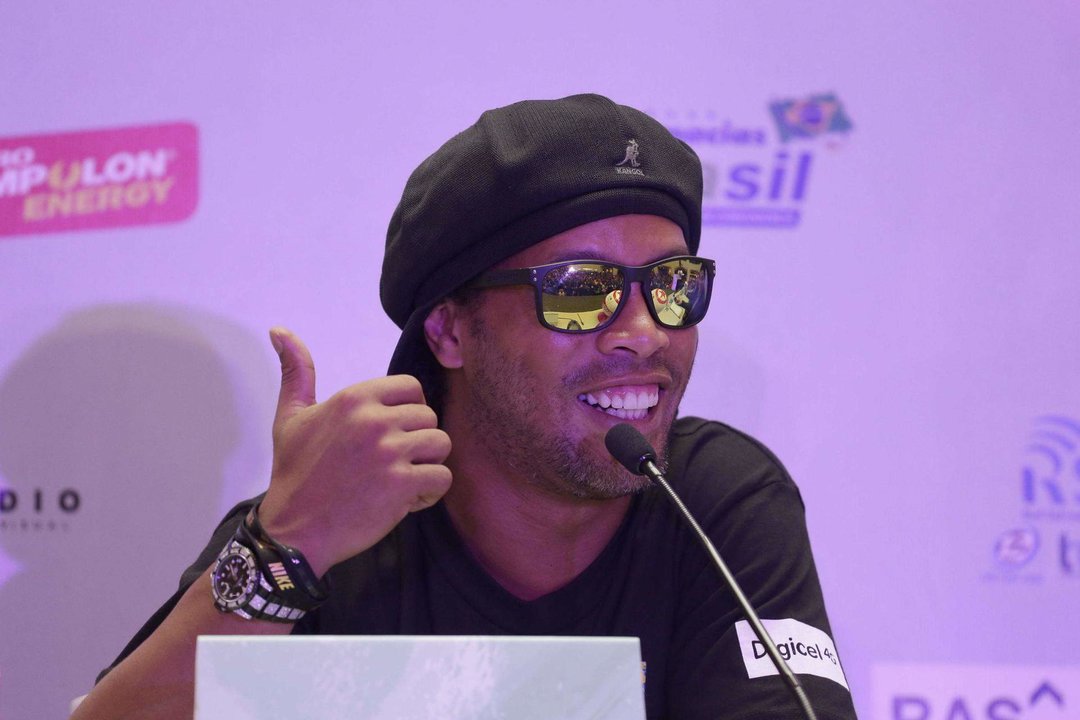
x: 345, y: 472
x: 158, y: 679
x: 753, y: 512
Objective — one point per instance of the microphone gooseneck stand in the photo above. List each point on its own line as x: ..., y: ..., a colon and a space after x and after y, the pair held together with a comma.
x: 634, y: 452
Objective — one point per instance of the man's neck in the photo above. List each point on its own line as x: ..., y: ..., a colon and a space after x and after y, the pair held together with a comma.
x: 531, y: 541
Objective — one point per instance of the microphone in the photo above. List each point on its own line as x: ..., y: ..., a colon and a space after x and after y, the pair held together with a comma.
x: 634, y: 453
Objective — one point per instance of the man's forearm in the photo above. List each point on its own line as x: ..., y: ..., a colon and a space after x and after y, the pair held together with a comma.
x: 158, y: 679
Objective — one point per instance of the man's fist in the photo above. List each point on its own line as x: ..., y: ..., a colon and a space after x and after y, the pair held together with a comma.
x: 348, y: 469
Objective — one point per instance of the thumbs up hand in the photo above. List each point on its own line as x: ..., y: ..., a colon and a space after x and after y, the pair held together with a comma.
x: 348, y: 469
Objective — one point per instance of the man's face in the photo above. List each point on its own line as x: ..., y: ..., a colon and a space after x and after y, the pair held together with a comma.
x: 536, y: 399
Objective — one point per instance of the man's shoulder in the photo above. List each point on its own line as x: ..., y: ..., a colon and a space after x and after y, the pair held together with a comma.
x: 695, y: 438
x: 711, y: 455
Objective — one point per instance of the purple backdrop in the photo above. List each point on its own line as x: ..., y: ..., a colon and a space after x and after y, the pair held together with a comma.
x: 890, y: 199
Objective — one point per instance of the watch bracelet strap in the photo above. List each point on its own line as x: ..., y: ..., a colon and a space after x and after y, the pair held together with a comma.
x: 266, y: 603
x: 285, y: 564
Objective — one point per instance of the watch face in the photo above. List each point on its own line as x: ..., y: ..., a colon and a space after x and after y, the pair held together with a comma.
x: 234, y: 578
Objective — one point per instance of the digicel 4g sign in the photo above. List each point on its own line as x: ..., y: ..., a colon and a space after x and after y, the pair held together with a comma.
x: 98, y: 178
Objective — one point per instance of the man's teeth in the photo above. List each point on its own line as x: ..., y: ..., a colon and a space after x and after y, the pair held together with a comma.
x: 626, y: 406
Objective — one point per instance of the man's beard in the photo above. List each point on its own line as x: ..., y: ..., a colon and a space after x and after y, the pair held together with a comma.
x: 530, y: 440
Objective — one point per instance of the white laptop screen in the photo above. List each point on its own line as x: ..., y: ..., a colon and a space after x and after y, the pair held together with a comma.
x: 407, y: 677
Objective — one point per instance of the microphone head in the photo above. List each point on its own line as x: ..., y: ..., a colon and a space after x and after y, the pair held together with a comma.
x: 629, y: 447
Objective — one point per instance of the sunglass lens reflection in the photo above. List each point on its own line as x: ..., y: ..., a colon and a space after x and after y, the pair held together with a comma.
x: 582, y: 296
x: 678, y: 290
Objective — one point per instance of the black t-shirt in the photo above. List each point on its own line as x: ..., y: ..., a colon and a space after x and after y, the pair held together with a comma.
x: 653, y: 581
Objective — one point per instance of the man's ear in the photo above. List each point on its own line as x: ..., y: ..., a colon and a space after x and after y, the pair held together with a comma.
x: 442, y: 329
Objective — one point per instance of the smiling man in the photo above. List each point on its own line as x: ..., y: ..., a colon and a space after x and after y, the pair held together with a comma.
x: 542, y: 265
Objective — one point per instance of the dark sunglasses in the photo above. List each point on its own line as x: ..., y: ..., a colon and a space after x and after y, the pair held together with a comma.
x: 586, y: 295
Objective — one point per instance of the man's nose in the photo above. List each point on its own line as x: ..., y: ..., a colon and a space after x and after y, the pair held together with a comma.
x: 634, y: 330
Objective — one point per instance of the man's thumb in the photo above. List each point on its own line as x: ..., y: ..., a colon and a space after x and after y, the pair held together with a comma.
x: 297, y: 372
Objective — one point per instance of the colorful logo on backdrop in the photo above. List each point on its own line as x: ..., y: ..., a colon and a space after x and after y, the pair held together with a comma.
x: 809, y: 118
x: 1044, y: 541
x: 98, y: 178
x: 975, y: 692
x: 759, y: 173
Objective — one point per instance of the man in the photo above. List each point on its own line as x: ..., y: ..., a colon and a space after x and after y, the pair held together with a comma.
x: 470, y: 491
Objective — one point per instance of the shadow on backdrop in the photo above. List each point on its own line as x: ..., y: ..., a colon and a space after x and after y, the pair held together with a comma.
x: 117, y: 431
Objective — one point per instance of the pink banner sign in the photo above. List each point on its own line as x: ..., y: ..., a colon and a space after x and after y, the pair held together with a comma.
x: 98, y: 178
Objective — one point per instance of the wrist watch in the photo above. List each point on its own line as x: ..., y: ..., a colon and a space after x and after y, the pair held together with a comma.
x: 241, y: 588
x: 258, y: 578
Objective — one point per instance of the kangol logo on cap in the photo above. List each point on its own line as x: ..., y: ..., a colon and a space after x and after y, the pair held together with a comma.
x: 631, y: 160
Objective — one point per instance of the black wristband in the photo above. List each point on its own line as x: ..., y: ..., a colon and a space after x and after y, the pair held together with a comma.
x: 290, y: 571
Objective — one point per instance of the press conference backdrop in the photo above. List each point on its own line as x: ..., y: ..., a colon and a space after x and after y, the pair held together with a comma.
x: 891, y: 198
